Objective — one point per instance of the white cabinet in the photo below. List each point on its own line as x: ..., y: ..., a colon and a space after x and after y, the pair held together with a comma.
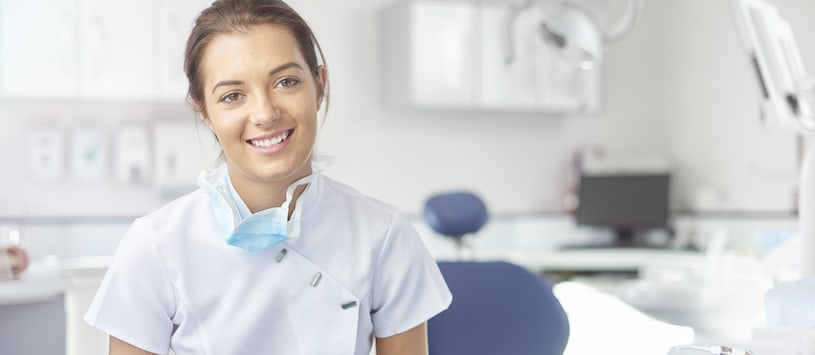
x: 117, y: 54
x: 95, y: 50
x: 38, y: 49
x: 175, y: 22
x: 537, y: 79
x: 452, y: 55
x: 440, y: 70
x: 508, y: 86
x: 428, y: 48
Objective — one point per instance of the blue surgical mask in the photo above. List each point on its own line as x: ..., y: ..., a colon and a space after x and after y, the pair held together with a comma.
x: 258, y: 231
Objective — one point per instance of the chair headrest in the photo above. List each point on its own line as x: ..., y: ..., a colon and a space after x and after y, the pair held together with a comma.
x: 455, y: 214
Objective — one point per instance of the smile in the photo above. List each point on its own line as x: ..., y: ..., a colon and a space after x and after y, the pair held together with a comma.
x: 270, y: 141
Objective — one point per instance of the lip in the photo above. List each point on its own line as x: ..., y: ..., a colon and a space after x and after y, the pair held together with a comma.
x: 275, y: 148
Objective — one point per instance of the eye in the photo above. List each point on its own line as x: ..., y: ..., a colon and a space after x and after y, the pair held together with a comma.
x: 287, y: 83
x: 231, y: 97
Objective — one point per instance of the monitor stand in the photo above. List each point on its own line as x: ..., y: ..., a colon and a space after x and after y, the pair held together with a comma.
x: 624, y: 238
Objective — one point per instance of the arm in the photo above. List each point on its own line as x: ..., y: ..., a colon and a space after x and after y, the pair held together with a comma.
x: 411, y: 342
x: 118, y: 347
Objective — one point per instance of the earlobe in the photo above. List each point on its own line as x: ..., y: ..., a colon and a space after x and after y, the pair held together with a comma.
x: 205, y: 120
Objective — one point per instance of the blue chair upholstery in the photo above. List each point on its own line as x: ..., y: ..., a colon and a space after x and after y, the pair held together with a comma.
x: 498, y: 308
x: 455, y: 214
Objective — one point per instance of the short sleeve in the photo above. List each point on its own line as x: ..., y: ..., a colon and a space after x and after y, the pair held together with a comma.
x: 408, y: 287
x: 135, y: 301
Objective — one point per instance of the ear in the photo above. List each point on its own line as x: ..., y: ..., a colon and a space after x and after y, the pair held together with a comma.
x: 206, y: 121
x: 200, y: 113
x: 203, y: 117
x: 322, y: 79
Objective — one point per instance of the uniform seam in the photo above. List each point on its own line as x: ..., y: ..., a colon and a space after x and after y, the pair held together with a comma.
x: 177, y: 296
x: 385, y: 244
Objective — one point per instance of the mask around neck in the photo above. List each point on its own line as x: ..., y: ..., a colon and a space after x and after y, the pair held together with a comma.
x: 258, y: 231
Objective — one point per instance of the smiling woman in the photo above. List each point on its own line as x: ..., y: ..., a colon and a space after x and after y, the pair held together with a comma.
x: 294, y: 255
x: 263, y: 109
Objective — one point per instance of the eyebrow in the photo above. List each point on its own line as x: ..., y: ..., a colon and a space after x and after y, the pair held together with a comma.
x: 271, y: 73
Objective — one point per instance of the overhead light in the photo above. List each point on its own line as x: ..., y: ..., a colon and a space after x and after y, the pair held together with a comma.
x: 574, y: 35
x: 574, y: 32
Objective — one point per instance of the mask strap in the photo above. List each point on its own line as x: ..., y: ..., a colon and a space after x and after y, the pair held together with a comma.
x: 293, y: 229
x: 290, y: 192
x: 218, y: 188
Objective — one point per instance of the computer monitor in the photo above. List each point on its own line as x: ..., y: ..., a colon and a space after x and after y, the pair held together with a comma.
x: 628, y: 204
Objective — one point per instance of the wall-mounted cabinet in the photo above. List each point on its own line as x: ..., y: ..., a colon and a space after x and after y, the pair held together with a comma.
x: 117, y: 54
x: 175, y: 19
x: 39, y: 49
x: 452, y: 55
x: 95, y: 50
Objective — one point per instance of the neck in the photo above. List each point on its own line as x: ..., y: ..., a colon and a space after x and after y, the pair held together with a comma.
x: 262, y: 195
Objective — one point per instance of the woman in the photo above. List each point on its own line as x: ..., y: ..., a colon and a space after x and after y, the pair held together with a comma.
x: 268, y: 256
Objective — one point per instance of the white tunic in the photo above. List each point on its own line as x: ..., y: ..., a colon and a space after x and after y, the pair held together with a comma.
x: 358, y: 269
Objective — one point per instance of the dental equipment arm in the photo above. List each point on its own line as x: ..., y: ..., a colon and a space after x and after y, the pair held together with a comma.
x: 786, y: 92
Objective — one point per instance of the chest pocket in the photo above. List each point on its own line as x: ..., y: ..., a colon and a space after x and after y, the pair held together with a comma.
x: 324, y: 315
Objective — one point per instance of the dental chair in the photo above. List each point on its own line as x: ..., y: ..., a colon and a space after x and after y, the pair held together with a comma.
x: 456, y: 215
x: 498, y: 308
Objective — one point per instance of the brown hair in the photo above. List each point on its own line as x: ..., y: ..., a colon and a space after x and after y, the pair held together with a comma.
x: 225, y: 16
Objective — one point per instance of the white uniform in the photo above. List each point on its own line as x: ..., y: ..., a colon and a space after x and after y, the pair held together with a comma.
x: 358, y: 268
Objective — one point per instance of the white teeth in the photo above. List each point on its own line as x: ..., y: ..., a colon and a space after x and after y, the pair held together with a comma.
x: 268, y: 142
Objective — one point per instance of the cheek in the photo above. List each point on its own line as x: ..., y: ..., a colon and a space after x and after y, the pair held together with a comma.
x: 308, y: 122
x: 226, y: 127
x: 305, y: 111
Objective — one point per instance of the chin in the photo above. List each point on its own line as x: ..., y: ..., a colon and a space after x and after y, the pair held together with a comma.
x: 289, y: 173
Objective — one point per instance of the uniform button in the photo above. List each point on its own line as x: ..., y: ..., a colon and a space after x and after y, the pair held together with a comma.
x: 316, y: 279
x: 280, y: 255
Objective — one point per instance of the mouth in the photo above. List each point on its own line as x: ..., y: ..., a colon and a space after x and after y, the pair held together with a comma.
x: 270, y: 141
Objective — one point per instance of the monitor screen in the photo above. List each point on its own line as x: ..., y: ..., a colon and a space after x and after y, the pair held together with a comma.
x: 626, y: 203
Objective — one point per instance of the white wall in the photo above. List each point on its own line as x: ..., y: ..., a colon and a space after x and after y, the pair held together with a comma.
x: 708, y: 98
x: 517, y: 162
x: 678, y: 85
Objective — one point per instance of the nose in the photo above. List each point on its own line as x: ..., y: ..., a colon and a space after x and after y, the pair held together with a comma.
x: 264, y: 112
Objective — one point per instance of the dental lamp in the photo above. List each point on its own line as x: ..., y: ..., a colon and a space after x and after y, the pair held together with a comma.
x: 786, y: 94
x: 574, y: 31
x: 575, y: 36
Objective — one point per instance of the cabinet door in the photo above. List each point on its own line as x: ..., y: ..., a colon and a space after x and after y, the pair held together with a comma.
x: 536, y: 79
x: 442, y: 38
x: 508, y: 85
x: 176, y: 19
x: 38, y: 49
x: 117, y: 52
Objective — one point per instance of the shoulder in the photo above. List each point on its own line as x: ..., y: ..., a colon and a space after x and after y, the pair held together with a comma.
x: 366, y: 219
x: 179, y: 209
x: 342, y: 215
x: 341, y: 198
x: 172, y: 219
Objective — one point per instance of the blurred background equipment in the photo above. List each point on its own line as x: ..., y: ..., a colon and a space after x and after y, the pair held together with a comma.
x: 498, y: 307
x: 456, y: 215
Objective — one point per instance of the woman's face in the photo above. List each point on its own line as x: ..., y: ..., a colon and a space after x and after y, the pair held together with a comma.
x: 261, y: 101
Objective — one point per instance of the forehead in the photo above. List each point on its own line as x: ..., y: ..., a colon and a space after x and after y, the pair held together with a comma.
x: 240, y: 53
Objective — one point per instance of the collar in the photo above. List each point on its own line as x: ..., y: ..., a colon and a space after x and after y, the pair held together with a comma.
x: 216, y: 181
